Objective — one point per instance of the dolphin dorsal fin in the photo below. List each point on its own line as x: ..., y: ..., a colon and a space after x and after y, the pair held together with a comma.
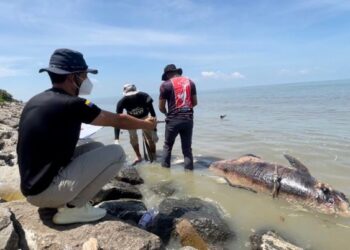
x: 251, y: 155
x: 297, y: 164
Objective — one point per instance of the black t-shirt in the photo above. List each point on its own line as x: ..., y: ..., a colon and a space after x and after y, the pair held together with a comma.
x: 48, y: 133
x: 137, y: 105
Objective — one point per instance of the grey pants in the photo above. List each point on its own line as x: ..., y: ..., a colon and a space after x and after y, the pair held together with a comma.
x: 92, y: 167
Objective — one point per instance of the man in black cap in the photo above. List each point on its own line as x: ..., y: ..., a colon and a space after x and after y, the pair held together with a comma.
x: 54, y: 172
x: 181, y: 95
x: 140, y: 105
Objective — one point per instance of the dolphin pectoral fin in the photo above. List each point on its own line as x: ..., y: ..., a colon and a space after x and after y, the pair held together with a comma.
x: 297, y: 164
x: 239, y: 186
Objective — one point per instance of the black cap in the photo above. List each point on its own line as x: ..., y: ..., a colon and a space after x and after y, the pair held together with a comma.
x: 170, y: 68
x: 66, y: 61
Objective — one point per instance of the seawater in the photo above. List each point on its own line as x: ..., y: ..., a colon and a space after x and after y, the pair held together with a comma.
x: 307, y: 120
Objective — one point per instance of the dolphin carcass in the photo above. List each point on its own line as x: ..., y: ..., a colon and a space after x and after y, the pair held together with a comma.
x: 293, y: 184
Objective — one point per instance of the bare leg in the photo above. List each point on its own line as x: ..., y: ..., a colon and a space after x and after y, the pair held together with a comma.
x: 138, y: 155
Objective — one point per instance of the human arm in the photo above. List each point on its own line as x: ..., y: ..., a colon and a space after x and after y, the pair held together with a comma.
x: 194, y: 100
x: 149, y: 105
x: 162, y: 106
x: 193, y: 94
x: 123, y: 121
x: 151, y: 110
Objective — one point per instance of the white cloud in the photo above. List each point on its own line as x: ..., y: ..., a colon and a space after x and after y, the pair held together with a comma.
x: 7, y: 72
x: 295, y: 72
x: 208, y: 74
x: 221, y: 75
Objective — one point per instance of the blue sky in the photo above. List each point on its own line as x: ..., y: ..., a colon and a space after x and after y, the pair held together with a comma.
x: 219, y: 44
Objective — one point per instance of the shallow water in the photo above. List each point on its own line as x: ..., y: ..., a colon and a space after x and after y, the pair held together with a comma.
x: 308, y: 121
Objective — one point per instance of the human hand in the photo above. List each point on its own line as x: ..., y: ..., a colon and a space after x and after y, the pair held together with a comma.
x: 116, y: 142
x: 152, y: 122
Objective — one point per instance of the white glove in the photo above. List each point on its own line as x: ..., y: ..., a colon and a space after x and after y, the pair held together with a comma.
x: 116, y: 142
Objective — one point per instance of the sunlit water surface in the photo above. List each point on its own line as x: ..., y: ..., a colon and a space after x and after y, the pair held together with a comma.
x: 309, y: 121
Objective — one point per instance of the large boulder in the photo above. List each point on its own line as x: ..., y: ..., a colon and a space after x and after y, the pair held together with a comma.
x: 10, y: 183
x: 115, y: 190
x: 164, y: 188
x: 203, y: 216
x: 36, y: 231
x: 269, y: 240
x: 126, y: 209
x: 130, y: 175
x: 8, y: 235
x: 189, y: 235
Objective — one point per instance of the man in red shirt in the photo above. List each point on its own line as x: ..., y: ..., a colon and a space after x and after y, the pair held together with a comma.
x: 180, y: 94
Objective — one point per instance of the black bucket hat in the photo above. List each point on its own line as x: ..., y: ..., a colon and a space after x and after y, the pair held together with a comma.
x: 170, y: 68
x: 66, y: 61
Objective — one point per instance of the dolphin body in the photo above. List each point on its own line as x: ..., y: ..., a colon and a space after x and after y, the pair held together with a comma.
x: 293, y: 184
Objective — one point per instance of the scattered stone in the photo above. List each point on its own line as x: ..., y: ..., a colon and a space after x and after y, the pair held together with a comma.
x: 269, y: 240
x: 187, y: 248
x: 8, y: 236
x: 116, y: 190
x: 9, y: 119
x: 7, y: 159
x: 36, y: 231
x: 130, y: 175
x: 91, y: 244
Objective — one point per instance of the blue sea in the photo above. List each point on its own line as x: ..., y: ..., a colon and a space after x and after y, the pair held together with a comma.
x: 307, y: 120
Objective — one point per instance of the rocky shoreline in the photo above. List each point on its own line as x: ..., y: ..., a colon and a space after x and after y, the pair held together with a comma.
x: 189, y: 223
x: 9, y: 118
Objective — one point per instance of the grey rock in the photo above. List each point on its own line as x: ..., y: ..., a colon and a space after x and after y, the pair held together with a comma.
x: 204, y: 217
x: 127, y: 210
x: 9, y: 120
x: 36, y: 231
x: 7, y: 159
x: 8, y: 236
x: 10, y: 183
x: 269, y: 240
x: 130, y: 175
x: 117, y: 190
x: 164, y: 188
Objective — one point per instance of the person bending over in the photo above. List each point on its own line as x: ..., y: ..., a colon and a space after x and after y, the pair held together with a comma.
x: 140, y: 105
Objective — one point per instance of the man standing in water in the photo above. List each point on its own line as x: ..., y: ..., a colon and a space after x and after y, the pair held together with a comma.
x: 54, y: 172
x: 180, y: 94
x: 138, y: 104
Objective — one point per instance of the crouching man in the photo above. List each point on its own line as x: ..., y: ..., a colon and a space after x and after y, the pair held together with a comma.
x: 54, y: 172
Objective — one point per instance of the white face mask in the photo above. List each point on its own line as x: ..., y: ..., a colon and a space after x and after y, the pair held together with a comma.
x: 86, y: 87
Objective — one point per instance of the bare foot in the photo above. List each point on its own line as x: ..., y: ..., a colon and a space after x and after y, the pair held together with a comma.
x: 137, y: 160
